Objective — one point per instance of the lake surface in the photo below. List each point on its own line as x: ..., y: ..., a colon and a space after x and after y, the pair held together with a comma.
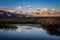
x: 29, y: 32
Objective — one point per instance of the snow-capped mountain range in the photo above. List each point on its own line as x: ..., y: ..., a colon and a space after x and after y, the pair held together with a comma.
x: 37, y: 13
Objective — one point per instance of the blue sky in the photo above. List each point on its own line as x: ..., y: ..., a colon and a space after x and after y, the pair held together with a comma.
x: 13, y: 4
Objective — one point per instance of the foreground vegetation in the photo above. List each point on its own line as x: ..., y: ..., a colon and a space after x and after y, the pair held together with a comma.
x: 52, y: 22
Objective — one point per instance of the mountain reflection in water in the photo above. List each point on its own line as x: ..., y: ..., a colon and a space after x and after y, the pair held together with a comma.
x: 30, y: 31
x: 22, y: 27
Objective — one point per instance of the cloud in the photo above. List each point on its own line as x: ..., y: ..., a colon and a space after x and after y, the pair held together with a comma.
x: 19, y: 8
x: 3, y: 7
x: 28, y: 7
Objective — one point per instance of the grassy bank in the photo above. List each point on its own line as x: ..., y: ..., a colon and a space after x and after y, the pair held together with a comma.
x: 50, y: 22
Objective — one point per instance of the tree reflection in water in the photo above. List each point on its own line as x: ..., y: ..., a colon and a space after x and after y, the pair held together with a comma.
x: 53, y: 32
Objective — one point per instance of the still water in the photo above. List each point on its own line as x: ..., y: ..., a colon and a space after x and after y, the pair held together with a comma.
x: 29, y: 32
